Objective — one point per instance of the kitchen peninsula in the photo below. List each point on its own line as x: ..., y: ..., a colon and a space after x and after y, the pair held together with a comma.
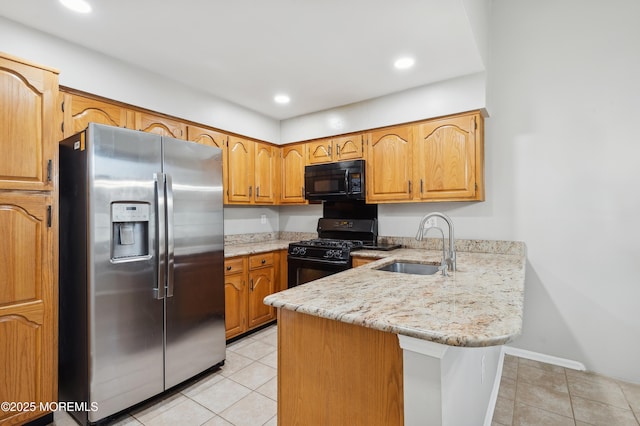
x: 373, y: 347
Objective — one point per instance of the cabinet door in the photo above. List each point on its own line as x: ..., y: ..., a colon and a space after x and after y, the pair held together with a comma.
x: 347, y: 147
x: 206, y: 137
x: 79, y: 111
x: 261, y: 284
x: 389, y: 174
x: 28, y: 304
x: 160, y: 125
x: 445, y: 158
x: 235, y: 308
x: 28, y: 125
x: 265, y: 173
x: 240, y: 174
x: 320, y: 151
x: 292, y: 186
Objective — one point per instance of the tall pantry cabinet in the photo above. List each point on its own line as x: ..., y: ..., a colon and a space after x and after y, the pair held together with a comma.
x: 28, y: 243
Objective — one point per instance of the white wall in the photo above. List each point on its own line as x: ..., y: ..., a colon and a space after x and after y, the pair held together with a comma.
x: 95, y: 73
x: 564, y: 92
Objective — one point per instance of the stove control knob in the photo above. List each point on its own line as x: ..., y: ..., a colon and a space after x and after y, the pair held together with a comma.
x: 299, y: 251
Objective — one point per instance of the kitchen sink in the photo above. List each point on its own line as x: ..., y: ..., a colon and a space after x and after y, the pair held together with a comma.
x: 410, y: 268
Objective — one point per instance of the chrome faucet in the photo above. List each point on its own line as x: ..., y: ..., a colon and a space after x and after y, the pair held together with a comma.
x: 448, y: 260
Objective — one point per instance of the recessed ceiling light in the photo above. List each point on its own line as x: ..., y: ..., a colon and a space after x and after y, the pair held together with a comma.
x: 80, y: 6
x: 404, y: 63
x: 282, y: 99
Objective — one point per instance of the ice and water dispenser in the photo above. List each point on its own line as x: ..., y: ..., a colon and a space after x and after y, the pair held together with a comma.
x: 130, y: 231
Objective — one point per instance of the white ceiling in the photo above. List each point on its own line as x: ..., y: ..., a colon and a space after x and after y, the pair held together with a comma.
x: 322, y: 53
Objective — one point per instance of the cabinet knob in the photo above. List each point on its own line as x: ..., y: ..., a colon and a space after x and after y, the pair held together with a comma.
x: 263, y: 261
x: 228, y: 268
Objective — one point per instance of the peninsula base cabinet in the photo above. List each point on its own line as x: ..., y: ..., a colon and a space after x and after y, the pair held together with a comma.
x: 248, y: 280
x: 361, y: 376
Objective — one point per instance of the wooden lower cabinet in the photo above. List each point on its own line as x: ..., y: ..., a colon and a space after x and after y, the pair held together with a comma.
x: 28, y: 304
x: 248, y: 280
x: 359, y: 261
x: 350, y: 375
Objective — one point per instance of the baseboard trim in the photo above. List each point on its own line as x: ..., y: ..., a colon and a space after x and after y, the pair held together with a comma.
x: 548, y: 359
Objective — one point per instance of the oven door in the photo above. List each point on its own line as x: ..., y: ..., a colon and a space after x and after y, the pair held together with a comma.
x: 303, y: 270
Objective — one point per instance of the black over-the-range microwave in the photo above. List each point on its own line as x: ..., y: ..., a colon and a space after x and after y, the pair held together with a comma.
x: 343, y: 180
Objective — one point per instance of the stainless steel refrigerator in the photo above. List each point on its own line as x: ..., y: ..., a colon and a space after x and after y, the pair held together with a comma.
x: 141, y: 267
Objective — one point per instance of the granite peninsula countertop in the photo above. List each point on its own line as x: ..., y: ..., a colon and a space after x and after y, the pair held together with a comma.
x: 480, y: 304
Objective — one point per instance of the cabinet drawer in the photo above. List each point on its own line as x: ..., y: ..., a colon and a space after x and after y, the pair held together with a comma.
x: 260, y: 260
x: 233, y: 265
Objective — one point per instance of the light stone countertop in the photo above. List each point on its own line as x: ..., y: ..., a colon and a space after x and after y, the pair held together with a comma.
x: 241, y: 249
x: 481, y: 304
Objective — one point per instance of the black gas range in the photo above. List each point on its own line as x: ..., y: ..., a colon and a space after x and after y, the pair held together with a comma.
x: 331, y: 252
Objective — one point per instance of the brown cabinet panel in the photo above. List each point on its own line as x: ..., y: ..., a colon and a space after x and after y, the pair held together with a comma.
x: 207, y: 137
x: 292, y: 181
x: 240, y: 154
x: 261, y: 260
x: 320, y: 151
x: 265, y: 170
x: 359, y: 261
x: 357, y: 371
x: 248, y: 280
x: 389, y: 171
x: 341, y: 148
x: 28, y: 303
x: 159, y: 125
x: 235, y: 299
x: 445, y: 158
x: 261, y: 284
x: 28, y: 135
x: 79, y: 111
x: 348, y: 147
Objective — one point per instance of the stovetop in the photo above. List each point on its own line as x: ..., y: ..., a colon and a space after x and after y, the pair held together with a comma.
x: 330, y: 243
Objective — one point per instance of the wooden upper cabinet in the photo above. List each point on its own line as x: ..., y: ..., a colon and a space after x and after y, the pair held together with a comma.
x: 252, y: 176
x: 265, y: 173
x: 79, y: 111
x: 447, y: 158
x: 348, y: 147
x: 389, y: 172
x: 29, y: 125
x: 320, y: 151
x: 341, y: 148
x: 292, y: 174
x: 28, y: 303
x: 207, y: 137
x: 240, y: 159
x: 159, y: 125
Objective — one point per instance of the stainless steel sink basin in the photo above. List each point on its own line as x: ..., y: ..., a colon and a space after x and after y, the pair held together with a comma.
x: 410, y: 268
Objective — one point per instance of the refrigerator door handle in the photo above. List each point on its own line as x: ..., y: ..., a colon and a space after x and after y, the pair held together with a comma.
x: 170, y: 235
x: 159, y: 184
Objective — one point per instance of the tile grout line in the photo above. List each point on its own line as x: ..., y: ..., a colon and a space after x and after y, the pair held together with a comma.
x: 566, y: 379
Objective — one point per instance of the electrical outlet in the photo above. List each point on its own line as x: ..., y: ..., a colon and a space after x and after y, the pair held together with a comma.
x: 263, y: 219
x: 431, y: 222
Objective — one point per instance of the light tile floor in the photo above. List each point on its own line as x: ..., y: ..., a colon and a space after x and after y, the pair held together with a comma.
x: 241, y: 393
x: 534, y: 393
x: 244, y: 393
